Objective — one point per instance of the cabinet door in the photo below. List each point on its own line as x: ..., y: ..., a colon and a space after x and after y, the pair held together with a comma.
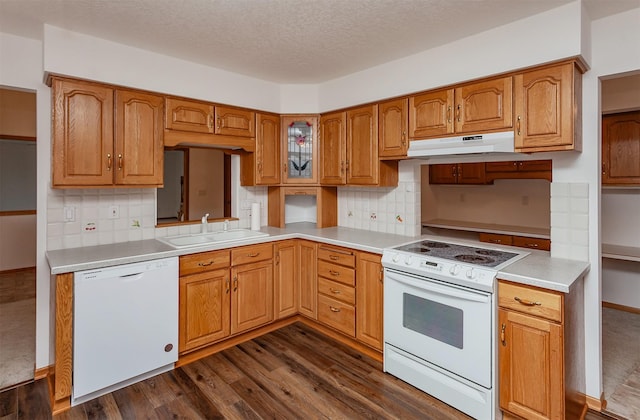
x: 82, y: 134
x: 252, y: 296
x: 332, y: 148
x: 471, y: 173
x: 267, y: 149
x: 369, y: 304
x: 308, y: 289
x: 445, y: 173
x: 204, y: 309
x: 187, y: 115
x: 300, y: 136
x: 545, y: 108
x: 362, y: 145
x: 139, y: 153
x: 530, y: 354
x: 484, y: 106
x: 621, y: 148
x: 431, y: 114
x: 286, y: 287
x: 235, y: 122
x: 392, y: 128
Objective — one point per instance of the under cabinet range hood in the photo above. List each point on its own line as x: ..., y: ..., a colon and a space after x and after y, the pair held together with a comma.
x: 501, y: 142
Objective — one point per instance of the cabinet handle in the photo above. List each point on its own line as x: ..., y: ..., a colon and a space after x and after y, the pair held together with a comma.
x: 235, y: 283
x: 210, y: 121
x: 228, y: 283
x: 120, y: 161
x: 201, y: 264
x: 404, y: 138
x: 342, y: 167
x: 459, y: 107
x: 109, y: 161
x: 260, y: 168
x: 532, y: 245
x: 284, y: 168
x: 502, y: 339
x: 334, y: 273
x: 334, y: 257
x: 604, y: 169
x: 253, y: 254
x: 526, y: 302
x: 495, y: 241
x: 337, y: 251
x: 449, y: 114
x: 334, y: 291
x: 381, y: 277
x: 334, y: 309
x: 518, y: 125
x: 219, y: 122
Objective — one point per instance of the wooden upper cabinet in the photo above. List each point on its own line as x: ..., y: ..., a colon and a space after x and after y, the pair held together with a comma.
x: 232, y: 121
x: 431, y: 114
x: 186, y: 115
x: 393, y: 120
x: 300, y: 149
x: 333, y: 131
x: 547, y: 109
x: 267, y: 154
x: 457, y: 173
x: 362, y: 145
x: 484, y: 106
x: 83, y: 147
x: 472, y: 108
x: 621, y: 148
x: 139, y: 153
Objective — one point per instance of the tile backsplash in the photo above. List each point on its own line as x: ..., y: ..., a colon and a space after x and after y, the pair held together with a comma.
x: 570, y: 220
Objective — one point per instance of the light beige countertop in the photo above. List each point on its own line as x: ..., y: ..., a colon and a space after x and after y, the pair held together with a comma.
x: 536, y: 269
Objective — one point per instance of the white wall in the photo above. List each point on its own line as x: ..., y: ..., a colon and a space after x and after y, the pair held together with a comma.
x: 17, y: 242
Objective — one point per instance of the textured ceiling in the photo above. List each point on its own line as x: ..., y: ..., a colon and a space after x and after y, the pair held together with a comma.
x: 284, y: 41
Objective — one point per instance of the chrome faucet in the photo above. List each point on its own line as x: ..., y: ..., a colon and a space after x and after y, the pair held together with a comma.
x: 225, y: 227
x: 204, y: 221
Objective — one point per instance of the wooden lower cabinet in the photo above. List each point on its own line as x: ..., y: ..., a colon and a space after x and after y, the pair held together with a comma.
x: 369, y: 301
x: 308, y: 288
x: 252, y: 296
x: 540, y: 352
x: 204, y: 309
x: 286, y: 271
x: 337, y: 275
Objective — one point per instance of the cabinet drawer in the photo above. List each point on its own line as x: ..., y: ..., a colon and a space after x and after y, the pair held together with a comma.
x: 337, y: 273
x: 337, y: 291
x: 203, y: 261
x: 533, y: 243
x: 336, y: 314
x: 250, y: 254
x: 543, y: 303
x: 340, y: 256
x: 495, y: 238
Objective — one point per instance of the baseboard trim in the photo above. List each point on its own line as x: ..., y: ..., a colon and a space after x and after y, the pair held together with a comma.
x: 631, y: 309
x: 43, y: 372
x: 597, y: 404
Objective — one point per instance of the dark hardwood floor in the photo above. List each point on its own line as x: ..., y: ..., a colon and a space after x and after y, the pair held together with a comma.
x: 294, y: 372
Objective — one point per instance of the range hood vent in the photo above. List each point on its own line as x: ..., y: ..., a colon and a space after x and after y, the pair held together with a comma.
x: 501, y: 142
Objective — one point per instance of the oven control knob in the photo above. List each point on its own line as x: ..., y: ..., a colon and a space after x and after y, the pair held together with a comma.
x: 408, y: 260
x: 454, y: 270
x: 471, y: 274
x: 396, y: 258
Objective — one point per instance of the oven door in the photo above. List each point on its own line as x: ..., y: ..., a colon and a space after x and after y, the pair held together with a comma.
x: 444, y: 324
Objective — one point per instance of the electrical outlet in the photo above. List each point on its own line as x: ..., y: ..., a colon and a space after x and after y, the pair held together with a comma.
x: 69, y: 214
x: 114, y: 212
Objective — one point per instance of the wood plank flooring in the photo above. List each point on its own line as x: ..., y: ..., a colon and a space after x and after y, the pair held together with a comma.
x: 291, y: 373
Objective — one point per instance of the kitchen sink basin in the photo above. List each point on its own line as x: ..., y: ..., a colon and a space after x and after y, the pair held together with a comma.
x: 199, y: 239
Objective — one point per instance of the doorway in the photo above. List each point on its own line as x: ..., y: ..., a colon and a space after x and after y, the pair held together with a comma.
x: 620, y: 236
x: 17, y: 236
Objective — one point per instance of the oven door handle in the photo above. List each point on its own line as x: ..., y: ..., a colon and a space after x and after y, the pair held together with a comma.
x: 432, y: 286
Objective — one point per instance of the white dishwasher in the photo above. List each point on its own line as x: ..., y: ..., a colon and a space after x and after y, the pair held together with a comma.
x: 125, y: 325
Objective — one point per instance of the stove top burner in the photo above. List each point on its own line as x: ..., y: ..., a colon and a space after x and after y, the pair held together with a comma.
x: 455, y: 252
x: 474, y: 259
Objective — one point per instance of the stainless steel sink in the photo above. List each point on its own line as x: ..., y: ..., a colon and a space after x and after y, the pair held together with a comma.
x: 199, y: 239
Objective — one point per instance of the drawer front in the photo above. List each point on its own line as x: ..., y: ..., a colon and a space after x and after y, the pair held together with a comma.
x: 340, y: 256
x: 533, y: 243
x: 250, y: 254
x: 339, y: 291
x: 495, y: 238
x: 543, y: 303
x: 336, y: 314
x: 203, y: 261
x: 337, y: 273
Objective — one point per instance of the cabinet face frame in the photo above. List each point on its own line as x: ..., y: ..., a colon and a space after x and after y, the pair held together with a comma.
x: 312, y: 122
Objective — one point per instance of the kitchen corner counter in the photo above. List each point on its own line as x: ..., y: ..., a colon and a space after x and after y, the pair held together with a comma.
x: 540, y: 270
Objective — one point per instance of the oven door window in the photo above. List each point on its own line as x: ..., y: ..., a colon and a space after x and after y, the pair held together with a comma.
x: 432, y: 319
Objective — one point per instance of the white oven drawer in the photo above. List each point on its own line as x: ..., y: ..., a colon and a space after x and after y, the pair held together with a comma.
x: 444, y: 324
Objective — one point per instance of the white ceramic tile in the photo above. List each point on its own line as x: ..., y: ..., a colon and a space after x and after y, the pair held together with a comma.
x: 120, y: 236
x: 55, y: 215
x: 105, y: 237
x: 579, y: 205
x: 559, y: 189
x: 559, y: 204
x: 560, y: 250
x: 90, y: 239
x: 579, y: 190
x: 72, y: 228
x: 72, y: 241
x: 55, y: 229
x: 580, y: 253
x: 559, y: 235
x: 54, y: 243
x: 579, y: 221
x: 559, y: 219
